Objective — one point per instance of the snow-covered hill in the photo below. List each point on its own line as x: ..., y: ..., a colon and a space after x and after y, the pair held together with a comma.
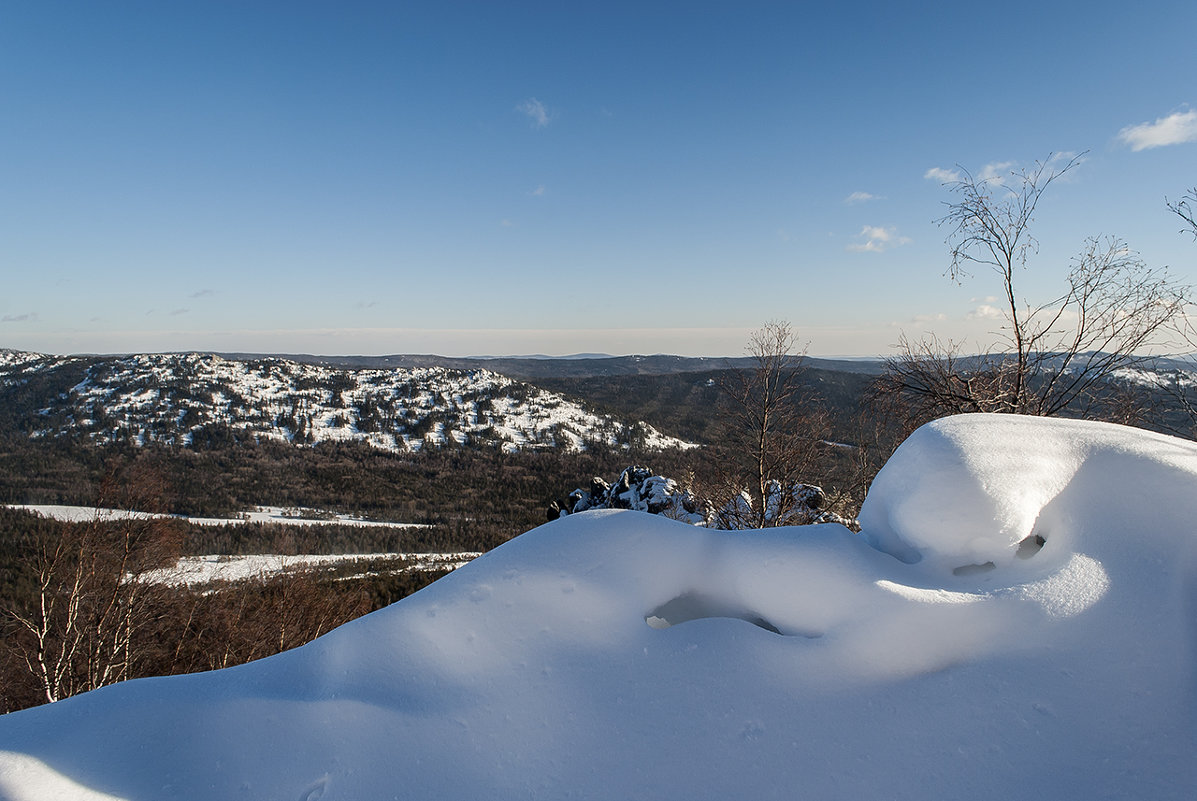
x: 16, y: 365
x: 12, y: 358
x: 189, y: 398
x: 1016, y: 621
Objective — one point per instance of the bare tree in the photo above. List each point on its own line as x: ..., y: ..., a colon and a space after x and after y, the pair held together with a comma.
x: 772, y: 429
x: 1179, y: 384
x: 91, y: 599
x: 1050, y: 358
x: 232, y: 623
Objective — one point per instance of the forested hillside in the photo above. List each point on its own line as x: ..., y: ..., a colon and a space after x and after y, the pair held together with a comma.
x: 206, y: 401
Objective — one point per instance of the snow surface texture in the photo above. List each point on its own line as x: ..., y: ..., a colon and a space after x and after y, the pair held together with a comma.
x: 614, y: 654
x: 185, y: 398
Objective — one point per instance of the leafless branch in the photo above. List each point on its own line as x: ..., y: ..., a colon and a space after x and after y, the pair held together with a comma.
x: 1183, y: 209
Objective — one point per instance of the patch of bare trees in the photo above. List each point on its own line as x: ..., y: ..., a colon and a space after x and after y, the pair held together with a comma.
x: 1051, y: 358
x: 91, y: 602
x: 84, y: 606
x: 772, y: 434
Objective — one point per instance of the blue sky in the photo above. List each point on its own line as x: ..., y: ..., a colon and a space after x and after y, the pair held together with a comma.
x: 504, y: 178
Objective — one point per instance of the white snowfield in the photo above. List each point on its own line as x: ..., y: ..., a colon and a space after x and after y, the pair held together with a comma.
x: 618, y: 655
x: 195, y: 571
x: 293, y: 516
x: 199, y: 570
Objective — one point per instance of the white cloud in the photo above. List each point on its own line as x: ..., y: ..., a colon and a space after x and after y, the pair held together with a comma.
x: 985, y: 312
x: 942, y: 175
x: 539, y: 190
x: 505, y: 223
x: 995, y: 172
x: 538, y: 112
x: 860, y: 197
x: 877, y: 239
x: 1175, y: 129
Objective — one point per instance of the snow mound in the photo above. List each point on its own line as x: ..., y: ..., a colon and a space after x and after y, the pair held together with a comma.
x: 615, y: 654
x: 974, y: 493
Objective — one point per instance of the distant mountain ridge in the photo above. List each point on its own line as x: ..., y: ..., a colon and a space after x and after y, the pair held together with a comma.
x: 584, y: 365
x: 195, y: 399
x: 580, y: 365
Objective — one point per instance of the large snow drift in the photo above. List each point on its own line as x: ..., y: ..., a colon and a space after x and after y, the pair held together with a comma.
x: 943, y: 654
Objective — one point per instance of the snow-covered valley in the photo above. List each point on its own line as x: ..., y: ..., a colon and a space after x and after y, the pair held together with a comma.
x: 212, y: 569
x: 1014, y: 621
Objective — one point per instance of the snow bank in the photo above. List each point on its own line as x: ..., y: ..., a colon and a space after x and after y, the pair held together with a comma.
x: 614, y: 654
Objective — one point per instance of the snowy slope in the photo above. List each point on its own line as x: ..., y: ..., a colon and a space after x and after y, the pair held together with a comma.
x: 615, y: 654
x: 12, y: 358
x: 16, y: 367
x: 177, y: 398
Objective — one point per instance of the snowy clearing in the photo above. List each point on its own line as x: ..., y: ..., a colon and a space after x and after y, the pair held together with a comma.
x: 1016, y: 621
x: 292, y: 516
x: 194, y: 571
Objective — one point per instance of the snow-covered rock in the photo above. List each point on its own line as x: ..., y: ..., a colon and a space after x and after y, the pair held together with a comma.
x: 800, y: 505
x: 613, y: 654
x: 640, y: 490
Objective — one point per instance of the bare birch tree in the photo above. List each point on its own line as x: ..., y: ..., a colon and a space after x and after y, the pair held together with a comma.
x: 91, y: 598
x: 772, y: 428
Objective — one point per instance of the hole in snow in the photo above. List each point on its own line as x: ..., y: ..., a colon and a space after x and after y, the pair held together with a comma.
x: 694, y: 606
x: 972, y: 570
x: 1030, y: 546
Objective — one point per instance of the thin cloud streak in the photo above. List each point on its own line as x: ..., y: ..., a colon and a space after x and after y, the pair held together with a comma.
x: 860, y: 197
x: 537, y: 112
